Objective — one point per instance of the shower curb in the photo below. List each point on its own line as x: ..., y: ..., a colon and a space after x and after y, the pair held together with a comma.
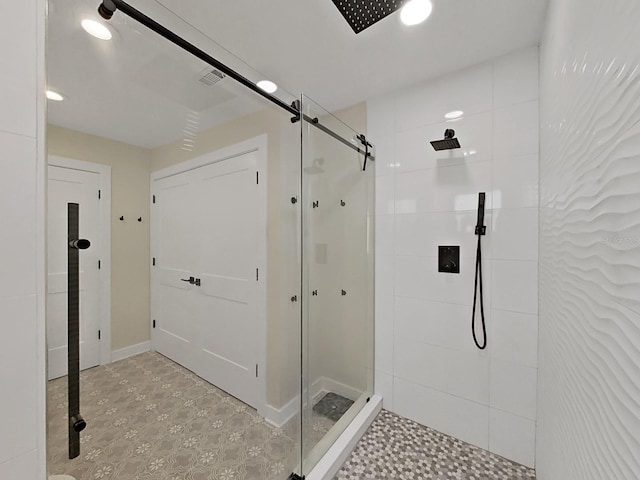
x: 331, y: 462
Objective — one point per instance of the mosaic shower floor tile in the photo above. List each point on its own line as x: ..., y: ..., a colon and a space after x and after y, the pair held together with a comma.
x: 397, y: 448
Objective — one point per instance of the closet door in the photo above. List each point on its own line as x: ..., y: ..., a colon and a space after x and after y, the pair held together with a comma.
x: 208, y: 240
x: 176, y: 253
x: 229, y: 236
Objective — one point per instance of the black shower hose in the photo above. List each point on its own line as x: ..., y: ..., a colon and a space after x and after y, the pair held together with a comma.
x: 478, y: 283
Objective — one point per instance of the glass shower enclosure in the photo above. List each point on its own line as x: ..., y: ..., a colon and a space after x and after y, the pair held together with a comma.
x: 317, y: 371
x: 337, y: 185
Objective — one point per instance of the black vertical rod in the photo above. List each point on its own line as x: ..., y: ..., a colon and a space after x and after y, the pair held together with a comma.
x: 73, y: 329
x: 74, y: 245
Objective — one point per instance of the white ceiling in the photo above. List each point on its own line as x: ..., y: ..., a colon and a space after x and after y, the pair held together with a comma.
x: 141, y: 90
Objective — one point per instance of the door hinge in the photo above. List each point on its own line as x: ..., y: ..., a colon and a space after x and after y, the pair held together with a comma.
x: 99, y: 264
x: 154, y: 261
x: 154, y: 199
x: 256, y: 370
x: 99, y: 194
x: 257, y: 274
x: 257, y: 178
x: 154, y: 324
x: 99, y: 335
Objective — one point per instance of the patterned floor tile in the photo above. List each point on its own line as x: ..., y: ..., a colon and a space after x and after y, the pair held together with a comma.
x: 149, y: 418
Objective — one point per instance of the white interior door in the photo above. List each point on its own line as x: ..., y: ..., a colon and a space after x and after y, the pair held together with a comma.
x: 72, y: 186
x: 176, y: 254
x: 229, y: 236
x: 207, y: 227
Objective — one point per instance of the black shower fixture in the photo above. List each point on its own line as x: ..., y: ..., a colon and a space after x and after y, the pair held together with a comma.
x: 361, y: 14
x: 449, y: 142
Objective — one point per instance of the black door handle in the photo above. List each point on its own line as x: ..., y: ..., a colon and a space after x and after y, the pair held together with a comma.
x: 190, y: 280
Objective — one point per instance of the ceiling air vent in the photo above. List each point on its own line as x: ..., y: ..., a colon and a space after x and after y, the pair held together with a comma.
x: 210, y: 77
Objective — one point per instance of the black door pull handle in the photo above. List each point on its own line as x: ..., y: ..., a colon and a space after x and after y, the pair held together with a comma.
x: 190, y: 280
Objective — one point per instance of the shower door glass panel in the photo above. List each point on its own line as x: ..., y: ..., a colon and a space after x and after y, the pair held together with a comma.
x: 203, y: 171
x: 337, y: 292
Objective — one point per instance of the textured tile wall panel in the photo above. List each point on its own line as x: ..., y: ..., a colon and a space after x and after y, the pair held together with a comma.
x: 589, y: 357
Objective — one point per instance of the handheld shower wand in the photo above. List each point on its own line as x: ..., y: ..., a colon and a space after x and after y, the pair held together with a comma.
x: 480, y: 231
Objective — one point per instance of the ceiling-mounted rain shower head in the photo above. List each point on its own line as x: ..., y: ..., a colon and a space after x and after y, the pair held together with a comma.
x: 449, y: 142
x: 361, y: 14
x: 106, y: 9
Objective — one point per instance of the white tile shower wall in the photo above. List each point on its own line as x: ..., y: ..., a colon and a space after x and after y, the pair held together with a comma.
x: 22, y: 174
x: 427, y: 366
x: 589, y: 379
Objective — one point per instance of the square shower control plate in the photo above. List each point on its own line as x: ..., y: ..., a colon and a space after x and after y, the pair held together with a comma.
x: 449, y: 258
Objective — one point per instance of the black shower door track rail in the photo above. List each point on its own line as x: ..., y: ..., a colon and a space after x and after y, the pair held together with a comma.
x: 163, y: 31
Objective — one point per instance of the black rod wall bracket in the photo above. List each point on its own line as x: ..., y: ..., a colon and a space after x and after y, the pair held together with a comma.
x: 367, y: 154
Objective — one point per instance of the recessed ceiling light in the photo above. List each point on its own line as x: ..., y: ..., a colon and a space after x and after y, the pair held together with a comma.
x: 96, y: 29
x: 267, y: 86
x: 415, y: 12
x: 55, y: 96
x: 454, y: 114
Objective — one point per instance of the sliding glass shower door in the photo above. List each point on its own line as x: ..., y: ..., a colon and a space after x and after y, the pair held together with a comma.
x: 337, y: 279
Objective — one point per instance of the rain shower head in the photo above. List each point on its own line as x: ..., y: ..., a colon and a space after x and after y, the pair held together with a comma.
x: 106, y: 9
x: 449, y: 142
x: 361, y: 14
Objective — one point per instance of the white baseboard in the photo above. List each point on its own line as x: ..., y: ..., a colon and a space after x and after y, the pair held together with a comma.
x: 331, y: 462
x: 130, y: 351
x: 278, y: 417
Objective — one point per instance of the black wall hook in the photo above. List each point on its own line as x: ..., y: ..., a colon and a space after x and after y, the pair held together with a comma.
x: 139, y: 219
x: 122, y: 218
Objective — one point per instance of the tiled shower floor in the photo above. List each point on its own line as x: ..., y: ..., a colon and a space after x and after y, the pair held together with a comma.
x: 397, y: 448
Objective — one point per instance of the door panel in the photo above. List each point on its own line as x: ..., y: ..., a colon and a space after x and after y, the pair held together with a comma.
x: 67, y: 185
x: 227, y: 267
x: 176, y: 255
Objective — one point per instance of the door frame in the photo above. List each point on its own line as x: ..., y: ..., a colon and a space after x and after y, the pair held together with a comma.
x: 259, y: 145
x: 104, y: 226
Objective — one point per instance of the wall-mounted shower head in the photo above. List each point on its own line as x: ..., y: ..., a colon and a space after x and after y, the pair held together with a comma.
x: 449, y: 142
x: 106, y: 9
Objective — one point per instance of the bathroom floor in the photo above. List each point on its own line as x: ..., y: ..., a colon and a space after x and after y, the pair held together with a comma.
x: 150, y: 418
x: 397, y: 448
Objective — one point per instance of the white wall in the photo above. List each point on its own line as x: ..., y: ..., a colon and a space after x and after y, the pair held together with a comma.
x: 22, y: 252
x: 589, y: 381
x: 427, y: 366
